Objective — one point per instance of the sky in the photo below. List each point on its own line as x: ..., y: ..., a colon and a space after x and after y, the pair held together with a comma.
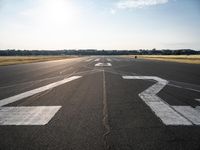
x: 99, y: 24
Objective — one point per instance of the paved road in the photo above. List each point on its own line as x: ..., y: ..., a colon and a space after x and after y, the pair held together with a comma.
x: 96, y: 103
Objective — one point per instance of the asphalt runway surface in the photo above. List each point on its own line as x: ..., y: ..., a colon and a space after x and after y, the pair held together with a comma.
x: 97, y: 103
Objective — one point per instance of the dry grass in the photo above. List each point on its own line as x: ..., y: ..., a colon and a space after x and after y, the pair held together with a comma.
x: 190, y: 59
x: 11, y: 60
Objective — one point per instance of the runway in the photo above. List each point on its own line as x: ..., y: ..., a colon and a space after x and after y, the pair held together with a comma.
x: 100, y: 102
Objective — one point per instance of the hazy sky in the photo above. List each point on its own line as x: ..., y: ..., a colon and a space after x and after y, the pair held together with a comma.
x: 100, y: 24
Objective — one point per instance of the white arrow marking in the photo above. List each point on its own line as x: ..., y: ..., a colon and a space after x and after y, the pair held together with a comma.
x: 108, y: 59
x: 35, y: 115
x: 164, y: 111
x: 103, y: 64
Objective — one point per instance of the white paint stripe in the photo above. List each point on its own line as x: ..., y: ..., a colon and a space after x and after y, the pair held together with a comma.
x: 147, y: 78
x: 197, y: 99
x: 167, y: 114
x: 103, y: 64
x: 98, y: 64
x: 177, y: 86
x: 97, y: 59
x: 35, y: 91
x: 192, y: 89
x: 164, y: 111
x: 37, y: 115
x: 197, y: 108
x: 189, y: 112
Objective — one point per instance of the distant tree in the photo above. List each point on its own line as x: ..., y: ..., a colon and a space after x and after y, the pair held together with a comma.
x: 154, y: 49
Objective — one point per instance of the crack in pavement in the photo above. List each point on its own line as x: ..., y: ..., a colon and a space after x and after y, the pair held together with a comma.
x: 105, y: 115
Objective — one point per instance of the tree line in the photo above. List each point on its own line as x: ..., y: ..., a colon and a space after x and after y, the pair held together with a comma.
x: 13, y: 52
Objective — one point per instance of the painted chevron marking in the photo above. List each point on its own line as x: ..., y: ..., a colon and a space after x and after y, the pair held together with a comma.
x: 167, y: 114
x: 30, y: 115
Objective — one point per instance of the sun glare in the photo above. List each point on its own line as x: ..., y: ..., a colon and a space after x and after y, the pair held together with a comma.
x: 59, y: 11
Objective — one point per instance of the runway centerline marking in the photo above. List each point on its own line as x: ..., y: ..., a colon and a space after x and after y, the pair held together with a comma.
x: 167, y: 114
x: 30, y: 115
x: 103, y: 65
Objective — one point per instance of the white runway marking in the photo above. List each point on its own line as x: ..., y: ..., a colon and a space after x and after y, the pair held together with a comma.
x: 197, y: 99
x: 192, y: 89
x: 108, y: 59
x: 35, y: 91
x: 103, y: 64
x: 197, y: 108
x: 36, y: 115
x: 189, y: 112
x: 167, y: 114
x: 30, y: 115
x: 164, y: 111
x: 97, y: 59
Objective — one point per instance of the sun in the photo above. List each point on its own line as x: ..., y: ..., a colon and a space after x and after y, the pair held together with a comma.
x: 59, y: 11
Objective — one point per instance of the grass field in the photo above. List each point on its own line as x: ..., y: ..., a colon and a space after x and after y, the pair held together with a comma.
x: 191, y: 59
x: 11, y: 60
